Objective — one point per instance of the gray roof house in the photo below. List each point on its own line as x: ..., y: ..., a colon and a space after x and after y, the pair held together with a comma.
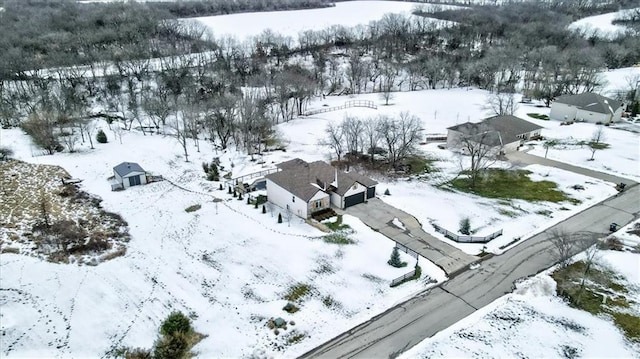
x: 128, y: 174
x: 505, y: 132
x: 306, y: 187
x: 589, y: 107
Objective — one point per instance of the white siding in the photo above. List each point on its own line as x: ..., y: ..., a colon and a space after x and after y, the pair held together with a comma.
x: 336, y: 200
x: 453, y: 139
x: 593, y: 117
x: 359, y: 188
x: 562, y: 112
x: 125, y: 179
x: 117, y: 176
x: 283, y: 198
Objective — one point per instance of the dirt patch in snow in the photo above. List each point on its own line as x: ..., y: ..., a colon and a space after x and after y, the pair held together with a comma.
x: 42, y: 216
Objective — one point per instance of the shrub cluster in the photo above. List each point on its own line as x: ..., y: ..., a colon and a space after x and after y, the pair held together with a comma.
x: 211, y: 170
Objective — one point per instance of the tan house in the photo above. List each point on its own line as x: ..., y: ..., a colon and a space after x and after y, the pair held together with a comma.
x: 505, y: 133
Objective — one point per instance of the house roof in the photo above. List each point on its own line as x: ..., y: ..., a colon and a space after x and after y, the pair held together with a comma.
x: 591, y: 102
x: 507, y: 126
x: 305, y: 179
x: 125, y: 168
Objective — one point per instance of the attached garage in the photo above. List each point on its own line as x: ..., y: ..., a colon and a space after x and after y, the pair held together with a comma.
x: 353, y: 200
x: 371, y: 192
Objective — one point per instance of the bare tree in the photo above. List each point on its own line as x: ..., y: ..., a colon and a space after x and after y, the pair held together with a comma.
x: 220, y: 118
x: 253, y: 126
x: 502, y: 103
x: 180, y: 128
x: 334, y: 139
x: 400, y: 136
x: 41, y: 127
x: 156, y: 104
x: 69, y: 138
x: 118, y: 131
x: 371, y: 136
x: 564, y: 245
x: 481, y: 144
x: 352, y: 128
x: 389, y: 74
x: 89, y: 126
x: 595, y: 143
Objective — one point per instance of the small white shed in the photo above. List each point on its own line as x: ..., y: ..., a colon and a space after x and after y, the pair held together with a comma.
x: 128, y: 174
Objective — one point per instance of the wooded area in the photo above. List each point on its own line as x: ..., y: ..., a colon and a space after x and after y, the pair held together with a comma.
x: 130, y: 63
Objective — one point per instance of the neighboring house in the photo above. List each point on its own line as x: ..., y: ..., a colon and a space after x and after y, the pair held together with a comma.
x: 505, y: 133
x: 305, y: 188
x: 128, y: 174
x: 589, y: 107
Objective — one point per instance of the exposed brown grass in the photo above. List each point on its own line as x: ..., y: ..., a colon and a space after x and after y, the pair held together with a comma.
x: 74, y: 224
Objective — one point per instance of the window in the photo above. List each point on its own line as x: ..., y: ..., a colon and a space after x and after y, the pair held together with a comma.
x: 293, y: 198
x: 318, y: 204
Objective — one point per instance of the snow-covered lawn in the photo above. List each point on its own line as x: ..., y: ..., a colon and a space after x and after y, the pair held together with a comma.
x: 227, y: 264
x: 292, y: 23
x: 439, y: 109
x: 534, y: 322
x: 516, y: 218
x: 602, y: 25
x: 621, y: 158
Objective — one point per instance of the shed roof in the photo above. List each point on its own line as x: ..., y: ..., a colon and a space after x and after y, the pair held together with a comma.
x: 591, y: 102
x: 509, y: 127
x: 305, y: 179
x: 126, y: 168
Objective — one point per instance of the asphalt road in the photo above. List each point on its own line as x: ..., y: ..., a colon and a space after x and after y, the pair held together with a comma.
x: 379, y: 216
x: 401, y: 327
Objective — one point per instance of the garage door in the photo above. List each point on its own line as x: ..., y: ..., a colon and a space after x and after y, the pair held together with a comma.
x: 353, y: 200
x: 371, y: 192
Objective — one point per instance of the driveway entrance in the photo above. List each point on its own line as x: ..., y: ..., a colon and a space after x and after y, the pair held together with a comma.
x: 379, y: 216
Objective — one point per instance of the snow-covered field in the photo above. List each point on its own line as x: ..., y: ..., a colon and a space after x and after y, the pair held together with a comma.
x: 230, y: 265
x: 227, y: 263
x: 533, y: 322
x: 439, y: 109
x: 602, y: 25
x: 292, y: 23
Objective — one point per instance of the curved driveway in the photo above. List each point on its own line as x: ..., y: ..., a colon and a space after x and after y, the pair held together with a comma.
x: 379, y: 216
x: 405, y: 325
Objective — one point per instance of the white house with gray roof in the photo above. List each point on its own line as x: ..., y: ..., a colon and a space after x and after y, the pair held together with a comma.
x: 505, y: 133
x: 589, y: 107
x: 128, y: 174
x: 305, y: 188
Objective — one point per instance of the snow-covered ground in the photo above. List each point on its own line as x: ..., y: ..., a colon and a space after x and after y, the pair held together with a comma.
x: 533, y: 322
x: 439, y: 109
x: 630, y: 236
x: 292, y: 23
x: 602, y: 25
x: 227, y: 263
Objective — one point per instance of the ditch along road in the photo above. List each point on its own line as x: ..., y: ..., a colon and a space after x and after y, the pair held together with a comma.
x: 405, y: 325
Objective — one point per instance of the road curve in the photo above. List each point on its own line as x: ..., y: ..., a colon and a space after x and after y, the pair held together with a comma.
x: 405, y: 325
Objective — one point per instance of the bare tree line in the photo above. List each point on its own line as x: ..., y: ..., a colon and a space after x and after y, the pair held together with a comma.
x: 162, y: 84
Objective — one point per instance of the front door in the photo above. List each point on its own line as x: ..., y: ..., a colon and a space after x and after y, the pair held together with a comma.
x: 134, y: 181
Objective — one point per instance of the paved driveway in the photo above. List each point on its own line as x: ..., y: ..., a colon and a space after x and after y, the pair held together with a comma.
x: 379, y: 216
x: 405, y: 325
